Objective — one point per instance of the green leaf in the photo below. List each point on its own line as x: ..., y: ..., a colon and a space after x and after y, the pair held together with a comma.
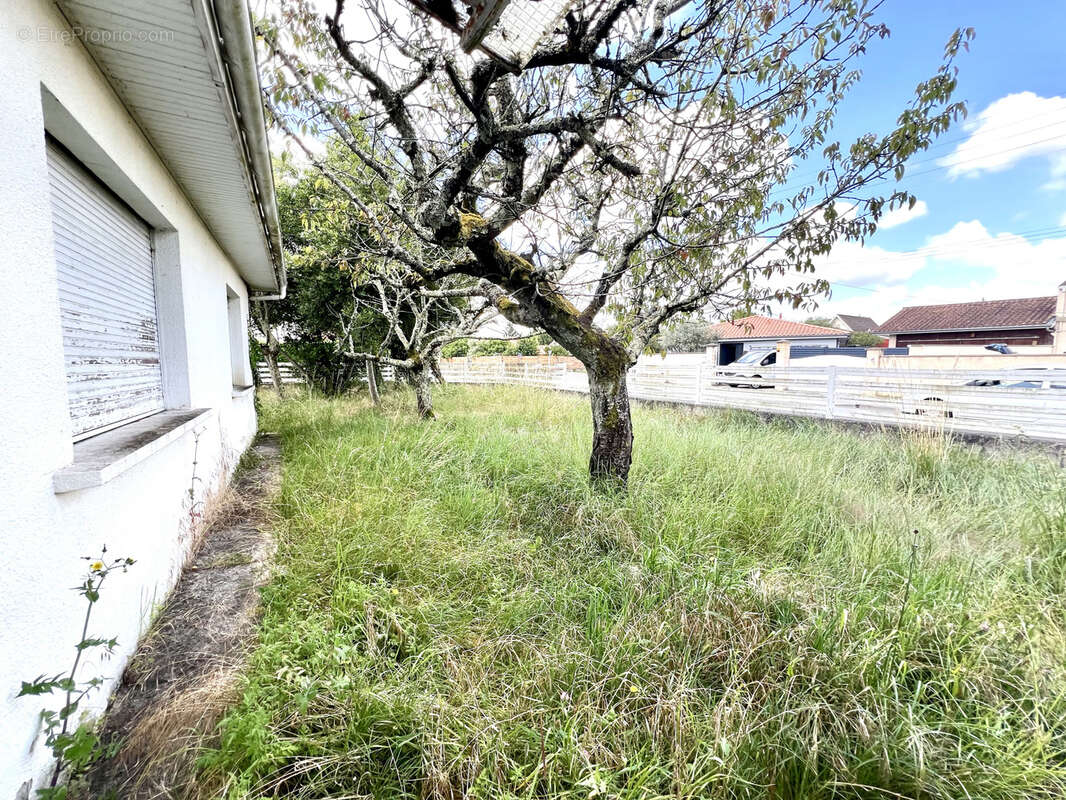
x: 84, y: 644
x: 39, y: 685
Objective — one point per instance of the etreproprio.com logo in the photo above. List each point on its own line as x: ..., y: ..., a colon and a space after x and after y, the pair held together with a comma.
x: 29, y: 33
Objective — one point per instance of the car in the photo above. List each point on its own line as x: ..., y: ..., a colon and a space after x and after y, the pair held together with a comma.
x: 1051, y: 377
x: 751, y: 365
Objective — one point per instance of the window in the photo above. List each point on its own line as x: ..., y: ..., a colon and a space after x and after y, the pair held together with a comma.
x: 106, y: 281
x: 238, y: 340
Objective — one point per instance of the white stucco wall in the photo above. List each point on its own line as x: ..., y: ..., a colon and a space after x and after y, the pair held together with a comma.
x: 767, y: 344
x: 145, y: 512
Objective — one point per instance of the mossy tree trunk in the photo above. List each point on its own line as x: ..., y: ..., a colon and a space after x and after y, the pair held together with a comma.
x: 612, y: 426
x: 607, y: 360
x: 422, y: 378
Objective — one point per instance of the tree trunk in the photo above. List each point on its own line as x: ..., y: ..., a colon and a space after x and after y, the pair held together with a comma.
x: 612, y: 425
x: 372, y: 381
x: 434, y: 365
x: 422, y: 379
x: 271, y: 356
x: 272, y: 347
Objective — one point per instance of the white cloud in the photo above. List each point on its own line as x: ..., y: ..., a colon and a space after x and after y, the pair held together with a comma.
x: 990, y: 266
x: 852, y: 263
x: 1058, y: 174
x: 1013, y: 128
x: 901, y: 216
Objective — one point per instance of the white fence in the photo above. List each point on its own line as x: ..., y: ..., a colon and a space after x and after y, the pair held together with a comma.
x: 289, y: 373
x: 1028, y: 403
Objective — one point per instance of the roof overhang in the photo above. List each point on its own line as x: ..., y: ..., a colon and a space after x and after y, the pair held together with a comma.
x: 838, y: 335
x: 186, y: 72
x: 1032, y: 327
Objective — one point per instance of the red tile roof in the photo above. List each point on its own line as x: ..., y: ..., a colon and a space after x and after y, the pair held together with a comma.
x: 1025, y: 312
x: 771, y: 328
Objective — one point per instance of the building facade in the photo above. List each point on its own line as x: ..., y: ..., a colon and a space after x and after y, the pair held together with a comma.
x: 138, y: 222
x: 1026, y: 325
x: 740, y: 336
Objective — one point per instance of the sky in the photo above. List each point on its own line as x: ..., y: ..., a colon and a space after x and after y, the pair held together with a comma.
x: 991, y: 218
x: 990, y: 221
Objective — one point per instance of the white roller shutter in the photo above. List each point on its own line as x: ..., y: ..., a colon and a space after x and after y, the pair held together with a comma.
x: 107, y: 300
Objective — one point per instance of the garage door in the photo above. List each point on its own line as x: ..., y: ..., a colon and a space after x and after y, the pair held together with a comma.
x: 107, y: 301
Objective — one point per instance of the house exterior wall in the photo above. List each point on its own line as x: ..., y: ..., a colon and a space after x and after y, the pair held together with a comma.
x: 145, y: 513
x: 979, y: 359
x: 971, y: 350
x: 770, y: 344
x: 1011, y: 336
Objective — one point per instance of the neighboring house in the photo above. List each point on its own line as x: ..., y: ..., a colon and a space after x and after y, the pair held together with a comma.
x: 138, y: 221
x: 1030, y: 324
x: 850, y: 322
x: 763, y: 333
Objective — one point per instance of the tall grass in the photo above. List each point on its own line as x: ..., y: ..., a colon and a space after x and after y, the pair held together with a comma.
x: 773, y: 610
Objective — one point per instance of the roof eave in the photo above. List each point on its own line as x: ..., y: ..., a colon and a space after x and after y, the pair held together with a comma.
x: 1031, y: 326
x: 839, y: 335
x: 233, y: 48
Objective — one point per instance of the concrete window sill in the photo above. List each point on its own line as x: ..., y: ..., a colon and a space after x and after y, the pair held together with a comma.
x: 242, y: 391
x: 104, y: 457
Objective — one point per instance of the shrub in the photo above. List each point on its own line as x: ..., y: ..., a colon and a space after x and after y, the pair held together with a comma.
x: 687, y: 337
x: 491, y: 347
x: 456, y: 349
x: 525, y: 347
x: 864, y: 339
x: 821, y: 322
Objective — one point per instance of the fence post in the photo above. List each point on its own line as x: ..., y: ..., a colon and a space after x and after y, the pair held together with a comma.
x: 830, y: 392
x: 781, y: 364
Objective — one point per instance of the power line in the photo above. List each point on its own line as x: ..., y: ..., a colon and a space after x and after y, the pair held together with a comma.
x: 805, y: 178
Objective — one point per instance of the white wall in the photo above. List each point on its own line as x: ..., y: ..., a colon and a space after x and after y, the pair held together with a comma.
x: 975, y: 350
x: 144, y: 513
x: 767, y: 344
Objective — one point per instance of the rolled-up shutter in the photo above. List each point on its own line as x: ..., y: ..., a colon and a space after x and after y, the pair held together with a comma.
x: 107, y: 301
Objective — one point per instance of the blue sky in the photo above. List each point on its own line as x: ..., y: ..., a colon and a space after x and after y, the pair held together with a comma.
x: 993, y: 191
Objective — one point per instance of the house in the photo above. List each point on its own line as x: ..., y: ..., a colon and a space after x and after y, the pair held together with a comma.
x: 855, y: 324
x: 138, y: 222
x: 1028, y: 324
x: 763, y: 333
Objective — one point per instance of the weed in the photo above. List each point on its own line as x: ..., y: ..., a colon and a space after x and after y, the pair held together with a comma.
x: 75, y: 750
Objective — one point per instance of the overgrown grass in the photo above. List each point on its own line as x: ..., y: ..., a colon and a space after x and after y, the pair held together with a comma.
x: 774, y: 610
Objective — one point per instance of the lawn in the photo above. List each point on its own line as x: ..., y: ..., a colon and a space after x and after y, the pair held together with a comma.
x: 773, y: 610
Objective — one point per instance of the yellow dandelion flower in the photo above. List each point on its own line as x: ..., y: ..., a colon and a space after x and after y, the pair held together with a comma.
x: 96, y: 566
x: 633, y: 688
x: 395, y: 591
